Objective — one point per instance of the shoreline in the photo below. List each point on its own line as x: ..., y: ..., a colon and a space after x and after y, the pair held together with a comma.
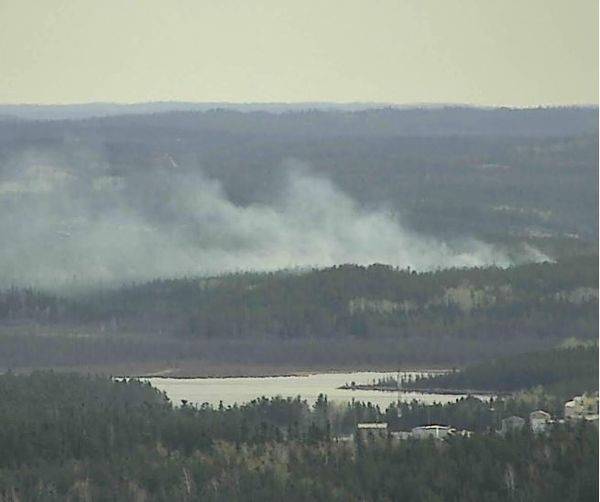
x: 304, y: 373
x: 199, y: 369
x: 426, y: 390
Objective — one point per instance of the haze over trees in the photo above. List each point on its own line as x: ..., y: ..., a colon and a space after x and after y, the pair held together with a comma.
x: 338, y: 316
x: 252, y: 256
x: 136, y: 197
x: 295, y: 239
x: 163, y: 234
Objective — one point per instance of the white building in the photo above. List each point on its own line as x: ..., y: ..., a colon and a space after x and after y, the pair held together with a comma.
x: 583, y: 407
x: 432, y: 431
x: 539, y: 421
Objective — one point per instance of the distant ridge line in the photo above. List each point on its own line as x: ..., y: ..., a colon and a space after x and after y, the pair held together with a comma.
x: 33, y: 111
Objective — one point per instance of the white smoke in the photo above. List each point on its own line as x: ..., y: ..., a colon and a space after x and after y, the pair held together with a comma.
x: 62, y: 225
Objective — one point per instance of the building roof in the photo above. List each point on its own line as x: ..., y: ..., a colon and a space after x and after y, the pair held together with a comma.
x: 372, y: 425
x: 432, y: 427
x: 539, y: 414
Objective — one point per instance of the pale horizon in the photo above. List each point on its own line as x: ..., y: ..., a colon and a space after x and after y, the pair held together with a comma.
x: 490, y: 54
x: 373, y: 104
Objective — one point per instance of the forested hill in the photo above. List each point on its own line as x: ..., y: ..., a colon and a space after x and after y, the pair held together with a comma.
x: 563, y: 372
x: 320, y: 119
x: 546, y: 299
x: 447, y: 172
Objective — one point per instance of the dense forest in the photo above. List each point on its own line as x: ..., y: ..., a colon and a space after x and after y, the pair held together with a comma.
x: 502, y: 176
x: 344, y: 300
x: 548, y: 299
x: 341, y: 315
x: 152, y: 239
x: 560, y: 372
x: 171, y: 236
x: 71, y: 437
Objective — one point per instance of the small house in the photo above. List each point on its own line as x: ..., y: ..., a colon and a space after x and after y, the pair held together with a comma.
x: 539, y: 421
x: 581, y: 407
x: 432, y: 431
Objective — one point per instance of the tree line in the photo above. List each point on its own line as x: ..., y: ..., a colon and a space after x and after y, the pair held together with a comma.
x: 544, y: 298
x: 73, y: 437
x: 562, y: 372
x: 342, y: 315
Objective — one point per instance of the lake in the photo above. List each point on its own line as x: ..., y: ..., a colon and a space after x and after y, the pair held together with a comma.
x: 243, y: 390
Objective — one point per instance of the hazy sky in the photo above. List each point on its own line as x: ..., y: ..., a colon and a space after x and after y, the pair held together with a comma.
x: 500, y: 52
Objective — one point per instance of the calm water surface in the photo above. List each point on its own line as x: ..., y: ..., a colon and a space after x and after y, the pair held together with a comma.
x: 243, y: 390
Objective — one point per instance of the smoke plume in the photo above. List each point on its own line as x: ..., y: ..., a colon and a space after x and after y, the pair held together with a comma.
x: 89, y: 224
